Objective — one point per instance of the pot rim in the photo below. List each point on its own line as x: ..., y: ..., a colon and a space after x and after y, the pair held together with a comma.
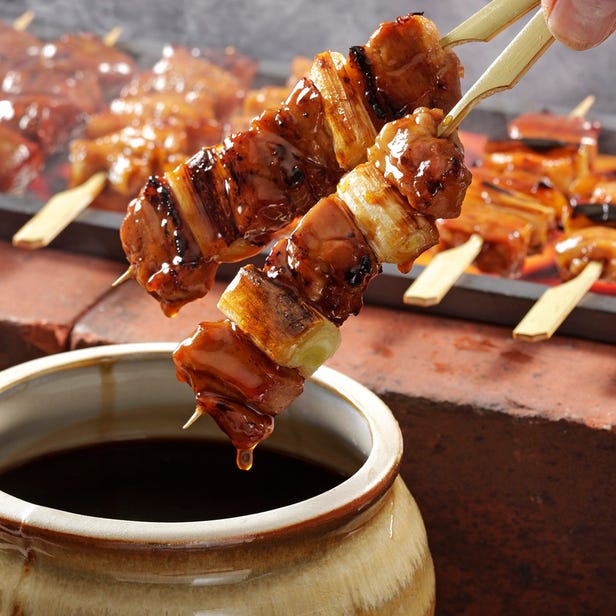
x: 350, y: 497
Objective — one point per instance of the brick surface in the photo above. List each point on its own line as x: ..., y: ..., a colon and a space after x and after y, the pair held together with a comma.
x: 128, y: 314
x: 42, y: 294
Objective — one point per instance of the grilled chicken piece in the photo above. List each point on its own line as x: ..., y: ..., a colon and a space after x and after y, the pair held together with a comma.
x: 87, y: 52
x: 519, y: 182
x: 20, y: 161
x: 185, y: 72
x: 549, y: 127
x: 40, y: 75
x: 562, y: 163
x: 506, y: 236
x: 16, y: 47
x: 195, y: 113
x: 48, y: 121
x: 578, y: 248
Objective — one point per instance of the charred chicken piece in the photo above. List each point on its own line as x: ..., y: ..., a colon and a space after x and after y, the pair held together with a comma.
x: 561, y: 162
x: 314, y: 279
x: 48, y: 121
x: 87, y: 52
x: 20, y: 161
x: 578, y: 248
x: 16, y: 47
x: 187, y: 72
x: 538, y: 188
x: 232, y: 200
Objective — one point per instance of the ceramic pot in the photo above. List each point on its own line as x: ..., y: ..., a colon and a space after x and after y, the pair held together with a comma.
x: 359, y: 548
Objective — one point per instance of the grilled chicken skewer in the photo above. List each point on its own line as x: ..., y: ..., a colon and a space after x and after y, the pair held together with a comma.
x: 519, y: 176
x: 283, y: 320
x: 583, y: 257
x: 402, y: 66
x: 229, y: 201
x: 161, y: 117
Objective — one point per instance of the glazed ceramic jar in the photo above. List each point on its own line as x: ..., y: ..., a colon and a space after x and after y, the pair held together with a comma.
x: 357, y: 548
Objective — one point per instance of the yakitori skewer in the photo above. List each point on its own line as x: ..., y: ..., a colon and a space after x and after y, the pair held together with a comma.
x: 53, y: 217
x: 64, y: 207
x: 583, y: 256
x: 156, y: 125
x: 283, y: 320
x: 429, y: 288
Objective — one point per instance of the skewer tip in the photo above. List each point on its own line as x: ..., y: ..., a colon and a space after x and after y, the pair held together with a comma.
x: 583, y: 107
x: 23, y: 21
x: 123, y: 277
x: 112, y: 37
x: 198, y: 412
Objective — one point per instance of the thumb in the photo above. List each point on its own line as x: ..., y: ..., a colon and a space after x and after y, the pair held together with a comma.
x: 580, y: 24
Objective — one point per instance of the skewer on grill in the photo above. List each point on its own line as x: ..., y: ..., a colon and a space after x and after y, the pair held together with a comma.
x: 431, y: 286
x: 64, y: 207
x: 168, y: 126
x: 594, y: 258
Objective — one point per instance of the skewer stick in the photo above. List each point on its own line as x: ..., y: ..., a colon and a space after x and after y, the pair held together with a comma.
x: 58, y: 212
x: 488, y: 21
x: 555, y: 305
x: 441, y: 274
x: 583, y: 107
x: 505, y: 72
x: 127, y: 275
x: 198, y: 412
x: 23, y: 21
x: 112, y: 37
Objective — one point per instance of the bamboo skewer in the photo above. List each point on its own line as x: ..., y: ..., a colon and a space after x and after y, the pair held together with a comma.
x: 112, y: 37
x: 23, y: 21
x: 441, y: 274
x: 505, y: 72
x: 583, y: 107
x: 58, y: 212
x: 555, y: 305
x: 488, y: 21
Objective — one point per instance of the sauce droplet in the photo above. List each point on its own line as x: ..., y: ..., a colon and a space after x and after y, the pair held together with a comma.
x: 244, y: 459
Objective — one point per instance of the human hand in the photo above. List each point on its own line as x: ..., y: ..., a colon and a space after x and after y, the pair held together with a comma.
x: 580, y: 24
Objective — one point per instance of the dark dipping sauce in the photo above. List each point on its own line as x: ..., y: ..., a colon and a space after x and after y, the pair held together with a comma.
x: 165, y: 480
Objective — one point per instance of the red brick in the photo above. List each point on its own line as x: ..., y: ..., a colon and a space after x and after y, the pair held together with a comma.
x: 129, y: 314
x: 44, y: 293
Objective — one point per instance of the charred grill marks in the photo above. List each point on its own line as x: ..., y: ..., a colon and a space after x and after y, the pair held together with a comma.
x: 357, y: 56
